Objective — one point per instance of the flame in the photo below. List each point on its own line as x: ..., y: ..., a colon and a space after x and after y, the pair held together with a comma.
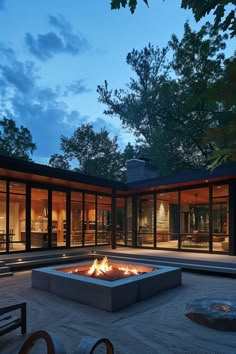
x: 128, y: 270
x: 101, y: 268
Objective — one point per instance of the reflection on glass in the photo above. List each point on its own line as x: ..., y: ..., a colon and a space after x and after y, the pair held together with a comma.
x: 39, y: 222
x: 194, y: 220
x: 89, y: 219
x: 120, y: 221
x: 220, y: 218
x: 17, y: 218
x: 76, y: 236
x: 145, y: 221
x: 167, y: 220
x: 129, y: 218
x: 58, y: 233
x: 103, y: 219
x: 3, y: 217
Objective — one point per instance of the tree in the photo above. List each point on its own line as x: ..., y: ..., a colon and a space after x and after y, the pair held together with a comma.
x: 95, y: 154
x: 15, y: 142
x: 116, y: 4
x: 200, y: 9
x: 170, y: 115
x: 59, y: 161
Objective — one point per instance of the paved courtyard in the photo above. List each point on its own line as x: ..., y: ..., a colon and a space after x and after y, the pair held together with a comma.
x: 154, y: 326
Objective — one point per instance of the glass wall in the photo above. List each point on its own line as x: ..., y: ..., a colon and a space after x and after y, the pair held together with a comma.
x: 167, y: 220
x: 76, y: 227
x: 58, y: 233
x: 120, y: 221
x: 17, y: 216
x: 3, y: 222
x: 103, y: 219
x: 194, y: 219
x: 129, y: 220
x: 145, y: 236
x: 90, y: 225
x: 220, y: 218
x: 39, y: 218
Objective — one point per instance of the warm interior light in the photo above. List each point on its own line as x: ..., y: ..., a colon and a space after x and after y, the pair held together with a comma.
x: 19, y: 259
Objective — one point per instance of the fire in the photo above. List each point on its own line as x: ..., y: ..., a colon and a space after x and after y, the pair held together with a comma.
x: 128, y: 270
x: 103, y: 267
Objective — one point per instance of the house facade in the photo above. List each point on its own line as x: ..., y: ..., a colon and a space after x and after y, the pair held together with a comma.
x: 46, y: 208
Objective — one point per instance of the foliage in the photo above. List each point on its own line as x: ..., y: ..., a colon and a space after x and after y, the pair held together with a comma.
x: 116, y: 4
x: 59, y: 161
x: 95, y: 154
x: 169, y: 116
x: 15, y: 142
x: 200, y: 8
x: 224, y: 138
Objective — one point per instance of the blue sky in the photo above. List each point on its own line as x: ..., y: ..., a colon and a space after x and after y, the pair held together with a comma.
x: 54, y: 53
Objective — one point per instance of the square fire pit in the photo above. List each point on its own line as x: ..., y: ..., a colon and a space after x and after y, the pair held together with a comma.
x: 73, y: 282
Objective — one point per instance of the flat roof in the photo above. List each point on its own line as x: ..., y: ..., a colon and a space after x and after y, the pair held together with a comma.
x: 15, y: 168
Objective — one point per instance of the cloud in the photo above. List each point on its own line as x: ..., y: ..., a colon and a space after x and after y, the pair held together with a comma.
x: 38, y: 108
x: 77, y: 87
x: 45, y: 46
x: 2, y: 4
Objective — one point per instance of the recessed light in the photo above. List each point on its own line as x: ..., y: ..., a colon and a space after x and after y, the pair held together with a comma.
x: 218, y: 187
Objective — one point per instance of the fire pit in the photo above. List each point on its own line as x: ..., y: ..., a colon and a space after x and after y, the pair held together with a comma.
x: 106, y: 285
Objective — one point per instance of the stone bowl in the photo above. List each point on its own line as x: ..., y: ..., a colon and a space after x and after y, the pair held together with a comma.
x: 219, y: 314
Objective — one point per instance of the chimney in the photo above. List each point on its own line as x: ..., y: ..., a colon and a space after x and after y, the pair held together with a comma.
x: 139, y: 170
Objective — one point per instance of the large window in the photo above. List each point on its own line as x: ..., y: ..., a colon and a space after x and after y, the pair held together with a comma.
x: 145, y: 221
x: 120, y: 221
x: 58, y: 233
x: 194, y: 220
x: 167, y: 220
x: 76, y: 236
x: 17, y: 216
x: 129, y: 221
x: 39, y: 218
x: 89, y: 219
x: 220, y: 218
x: 2, y: 216
x: 103, y: 219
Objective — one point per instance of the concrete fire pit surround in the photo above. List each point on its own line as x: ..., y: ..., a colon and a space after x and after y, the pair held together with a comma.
x: 206, y: 312
x: 106, y: 295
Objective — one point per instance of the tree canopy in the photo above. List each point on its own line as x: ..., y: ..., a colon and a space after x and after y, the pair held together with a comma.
x: 200, y: 8
x: 92, y: 153
x: 15, y: 142
x: 166, y: 104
